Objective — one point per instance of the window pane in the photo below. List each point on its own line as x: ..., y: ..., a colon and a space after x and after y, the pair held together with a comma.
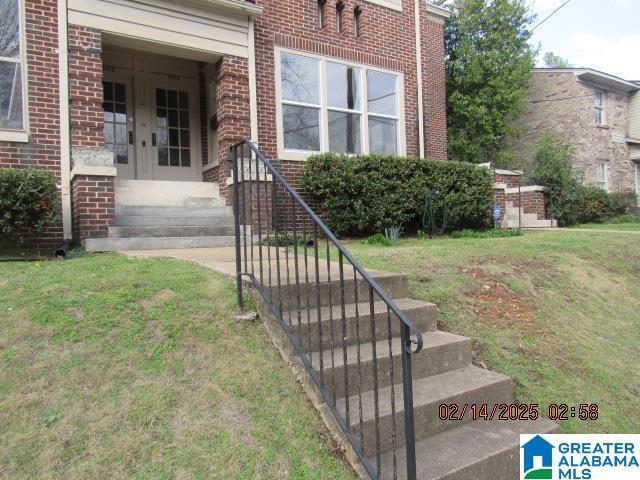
x: 120, y: 93
x: 184, y: 138
x: 382, y: 94
x: 163, y: 155
x: 186, y: 157
x: 173, y: 137
x: 121, y: 113
x: 122, y: 156
x: 174, y: 157
x: 184, y: 119
x: 344, y: 132
x: 10, y: 96
x: 172, y: 96
x: 184, y: 100
x: 301, y: 128
x: 383, y: 136
x: 343, y: 86
x: 9, y: 29
x: 300, y: 79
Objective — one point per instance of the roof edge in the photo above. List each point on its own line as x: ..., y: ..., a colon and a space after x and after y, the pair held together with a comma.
x: 437, y: 10
x: 579, y: 72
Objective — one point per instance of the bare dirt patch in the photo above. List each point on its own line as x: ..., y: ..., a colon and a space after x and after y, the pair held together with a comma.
x: 495, y: 304
x: 158, y: 299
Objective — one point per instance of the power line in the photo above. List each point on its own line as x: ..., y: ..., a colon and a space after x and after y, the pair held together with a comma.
x: 549, y: 16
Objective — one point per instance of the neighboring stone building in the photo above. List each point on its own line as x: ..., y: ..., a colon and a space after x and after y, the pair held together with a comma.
x: 598, y: 113
x: 136, y: 103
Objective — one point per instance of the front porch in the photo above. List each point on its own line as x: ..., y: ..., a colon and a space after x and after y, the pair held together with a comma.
x: 155, y: 106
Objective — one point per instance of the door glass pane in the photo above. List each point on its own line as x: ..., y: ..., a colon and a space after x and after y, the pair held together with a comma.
x: 383, y: 136
x: 177, y: 136
x: 300, y: 79
x: 115, y: 125
x: 301, y: 128
x: 344, y: 132
x: 9, y: 29
x: 343, y: 86
x: 382, y: 95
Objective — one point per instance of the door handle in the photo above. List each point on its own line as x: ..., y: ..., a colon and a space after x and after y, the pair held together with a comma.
x: 131, y: 137
x: 153, y: 139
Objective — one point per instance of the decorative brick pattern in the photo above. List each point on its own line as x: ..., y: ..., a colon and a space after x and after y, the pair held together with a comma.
x: 93, y: 206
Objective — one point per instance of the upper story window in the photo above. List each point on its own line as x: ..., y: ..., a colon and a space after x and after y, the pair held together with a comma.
x: 599, y: 98
x: 602, y: 173
x: 393, y: 4
x: 12, y: 115
x: 357, y: 20
x: 321, y: 13
x: 331, y: 106
x: 340, y: 16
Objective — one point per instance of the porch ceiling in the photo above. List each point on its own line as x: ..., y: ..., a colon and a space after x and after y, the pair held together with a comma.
x: 149, y: 46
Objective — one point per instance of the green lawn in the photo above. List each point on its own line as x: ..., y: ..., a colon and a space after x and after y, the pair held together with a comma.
x: 557, y: 311
x: 118, y: 368
x: 612, y: 226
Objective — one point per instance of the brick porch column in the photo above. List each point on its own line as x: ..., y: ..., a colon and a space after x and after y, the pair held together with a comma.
x: 232, y: 117
x: 92, y: 190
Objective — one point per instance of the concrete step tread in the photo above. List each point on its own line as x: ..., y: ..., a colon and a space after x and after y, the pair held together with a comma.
x: 428, y: 390
x: 156, y: 243
x: 363, y: 309
x: 478, y: 449
x: 431, y: 340
x: 172, y: 231
x: 171, y: 211
x: 159, y: 220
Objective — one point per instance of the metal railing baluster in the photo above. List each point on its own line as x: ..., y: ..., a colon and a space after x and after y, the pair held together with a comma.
x: 344, y: 339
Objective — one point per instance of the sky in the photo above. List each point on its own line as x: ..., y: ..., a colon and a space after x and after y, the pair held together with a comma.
x: 599, y: 34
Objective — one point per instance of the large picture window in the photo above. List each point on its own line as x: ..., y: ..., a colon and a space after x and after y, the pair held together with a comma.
x: 331, y: 106
x: 11, y: 66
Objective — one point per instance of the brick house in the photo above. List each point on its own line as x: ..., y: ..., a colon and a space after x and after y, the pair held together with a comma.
x: 597, y: 112
x: 134, y: 104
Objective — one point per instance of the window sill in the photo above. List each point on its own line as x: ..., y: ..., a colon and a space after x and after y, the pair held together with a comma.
x: 295, y: 155
x: 11, y: 136
x: 387, y: 4
x: 603, y: 126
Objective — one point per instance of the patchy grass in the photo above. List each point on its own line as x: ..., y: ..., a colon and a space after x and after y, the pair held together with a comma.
x: 557, y: 311
x: 635, y: 227
x: 119, y: 368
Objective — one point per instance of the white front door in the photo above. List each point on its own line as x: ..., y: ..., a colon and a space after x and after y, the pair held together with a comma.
x: 119, y: 125
x: 174, y: 126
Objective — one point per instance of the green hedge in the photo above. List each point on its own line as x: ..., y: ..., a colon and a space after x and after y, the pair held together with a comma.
x: 29, y: 202
x: 364, y: 194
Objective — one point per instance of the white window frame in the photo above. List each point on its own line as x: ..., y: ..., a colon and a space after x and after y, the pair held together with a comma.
x: 601, y: 107
x: 20, y: 135
x: 602, y: 183
x: 288, y: 154
x: 388, y: 4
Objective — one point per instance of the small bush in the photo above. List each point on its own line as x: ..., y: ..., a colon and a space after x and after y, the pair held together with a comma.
x: 283, y: 240
x: 623, y: 203
x: 496, y: 233
x: 364, y: 194
x: 626, y: 218
x: 594, y: 205
x: 29, y: 202
x: 378, y: 239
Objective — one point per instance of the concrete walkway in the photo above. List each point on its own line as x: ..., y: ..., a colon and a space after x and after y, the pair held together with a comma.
x: 223, y: 260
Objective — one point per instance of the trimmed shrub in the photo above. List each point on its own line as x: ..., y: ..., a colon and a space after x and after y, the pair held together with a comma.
x: 623, y: 203
x: 594, y: 205
x: 29, y: 202
x: 364, y: 194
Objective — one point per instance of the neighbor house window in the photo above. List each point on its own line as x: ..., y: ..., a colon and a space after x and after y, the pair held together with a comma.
x: 357, y: 18
x: 598, y: 97
x: 11, y: 66
x: 602, y: 171
x: 333, y: 106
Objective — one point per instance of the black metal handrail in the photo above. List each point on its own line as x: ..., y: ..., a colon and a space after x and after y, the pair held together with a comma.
x: 265, y: 203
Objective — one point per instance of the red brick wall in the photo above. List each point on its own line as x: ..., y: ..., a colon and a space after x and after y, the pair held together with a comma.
x: 532, y: 202
x: 387, y: 41
x: 43, y: 148
x: 511, y: 181
x: 93, y: 206
x: 232, y: 115
x: 85, y: 87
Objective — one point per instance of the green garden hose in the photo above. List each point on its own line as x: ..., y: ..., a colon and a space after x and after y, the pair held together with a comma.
x: 429, y: 214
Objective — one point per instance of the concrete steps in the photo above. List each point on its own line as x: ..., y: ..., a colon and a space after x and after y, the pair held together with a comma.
x: 479, y: 450
x: 152, y: 215
x: 457, y: 449
x: 515, y: 218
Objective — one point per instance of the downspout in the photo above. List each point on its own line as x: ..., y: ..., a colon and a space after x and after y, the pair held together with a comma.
x: 253, y: 100
x: 419, y: 78
x: 65, y: 136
